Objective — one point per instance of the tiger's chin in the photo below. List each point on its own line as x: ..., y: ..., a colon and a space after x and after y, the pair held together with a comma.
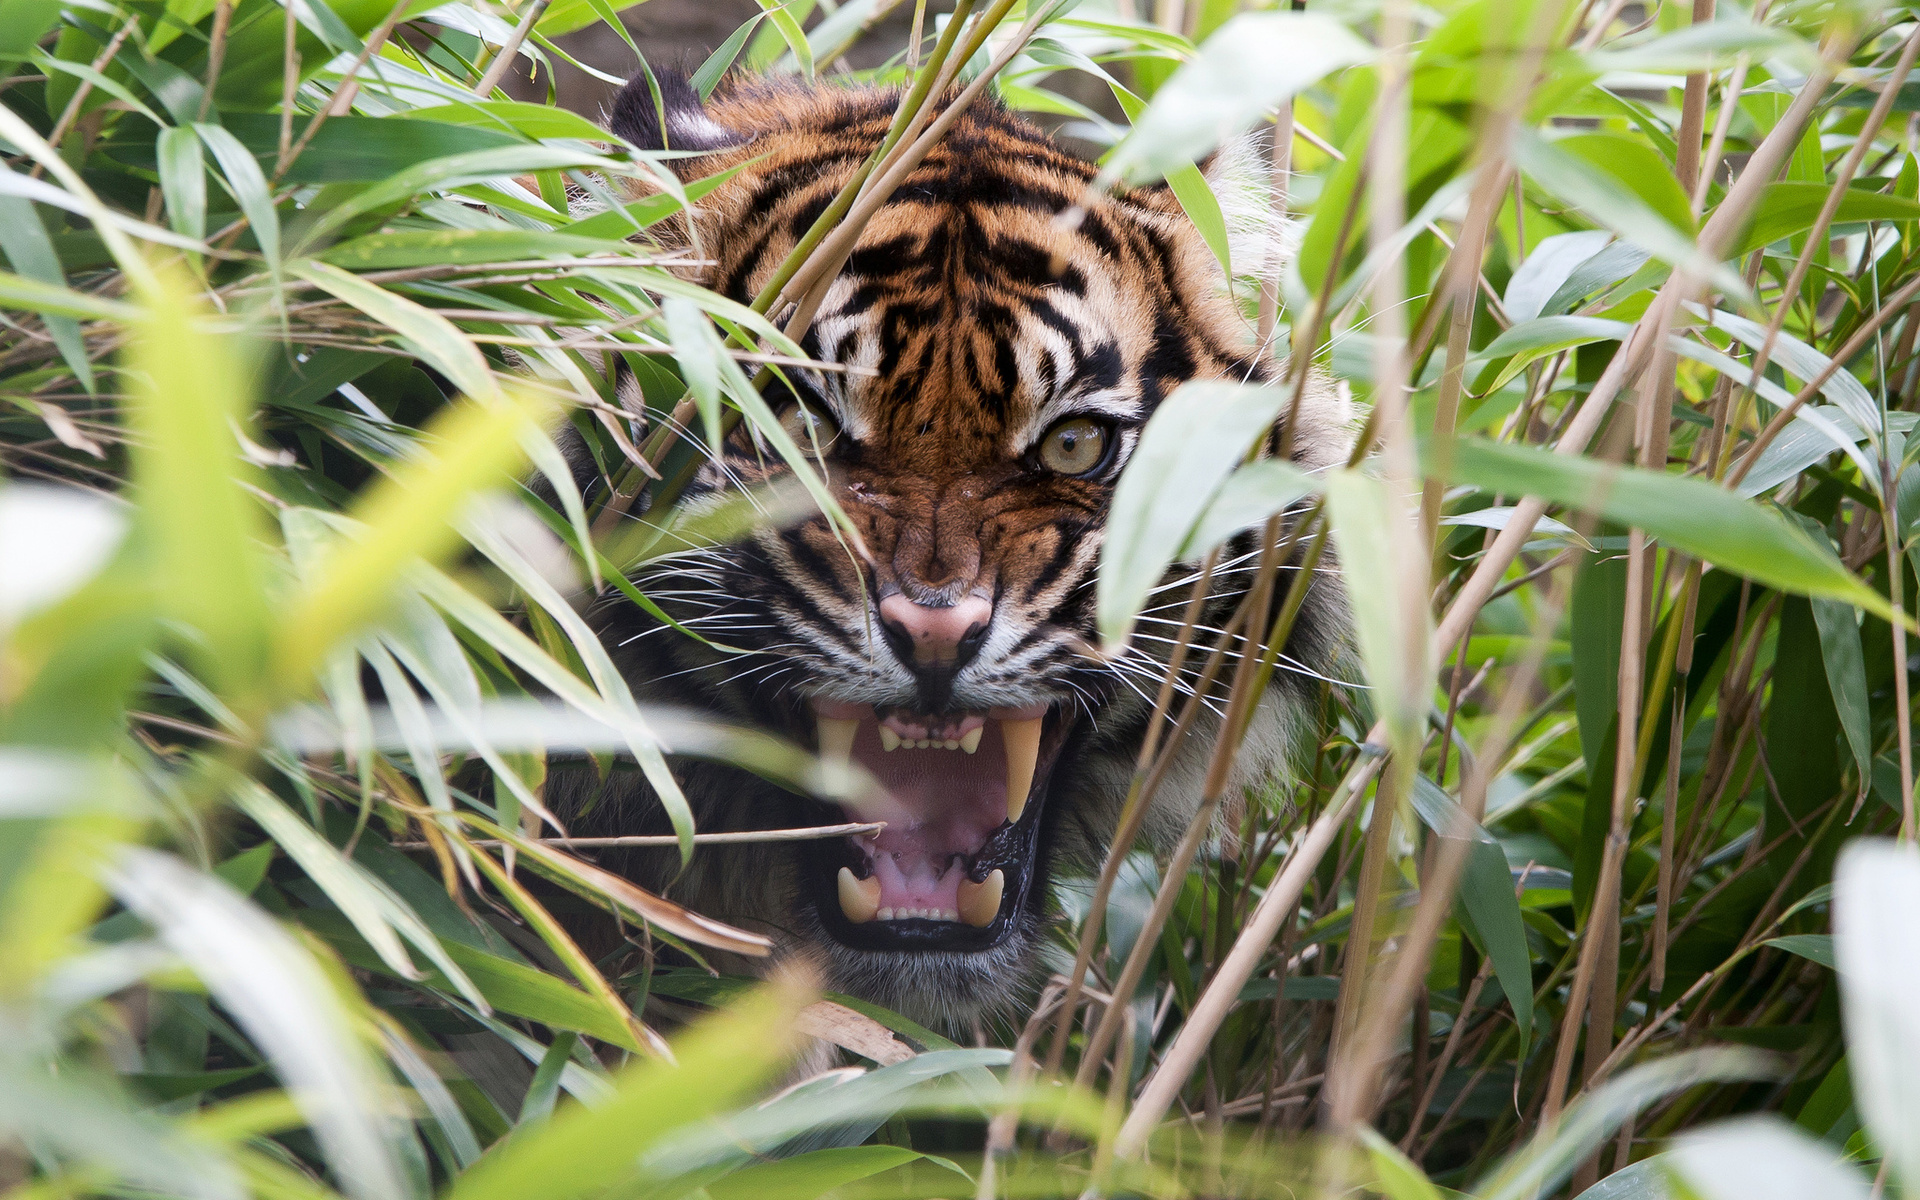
x: 936, y: 914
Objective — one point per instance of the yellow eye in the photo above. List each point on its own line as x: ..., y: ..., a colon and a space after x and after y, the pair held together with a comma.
x: 1074, y: 446
x: 814, y: 431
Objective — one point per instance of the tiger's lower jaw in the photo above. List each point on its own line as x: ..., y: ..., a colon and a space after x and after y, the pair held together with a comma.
x: 951, y: 891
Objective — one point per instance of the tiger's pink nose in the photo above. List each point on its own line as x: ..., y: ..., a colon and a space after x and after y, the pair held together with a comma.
x: 936, y: 634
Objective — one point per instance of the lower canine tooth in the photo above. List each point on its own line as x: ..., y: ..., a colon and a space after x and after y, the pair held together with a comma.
x: 980, y: 902
x: 889, y: 740
x: 859, y: 898
x: 970, y: 741
x: 836, y: 738
x: 1022, y: 740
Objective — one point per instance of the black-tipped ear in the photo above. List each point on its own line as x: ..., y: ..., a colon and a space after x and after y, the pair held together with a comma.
x: 672, y: 119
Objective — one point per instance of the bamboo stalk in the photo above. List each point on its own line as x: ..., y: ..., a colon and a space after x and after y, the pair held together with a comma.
x: 741, y: 837
x: 1223, y: 992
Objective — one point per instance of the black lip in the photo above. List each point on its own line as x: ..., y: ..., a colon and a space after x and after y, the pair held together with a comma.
x: 1013, y: 848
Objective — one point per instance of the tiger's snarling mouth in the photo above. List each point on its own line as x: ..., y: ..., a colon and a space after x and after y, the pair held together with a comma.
x: 964, y: 798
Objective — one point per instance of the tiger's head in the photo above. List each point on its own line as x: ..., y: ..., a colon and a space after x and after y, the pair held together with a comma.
x: 999, y: 370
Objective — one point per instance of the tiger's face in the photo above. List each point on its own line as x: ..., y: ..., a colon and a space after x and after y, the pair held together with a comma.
x: 996, y: 371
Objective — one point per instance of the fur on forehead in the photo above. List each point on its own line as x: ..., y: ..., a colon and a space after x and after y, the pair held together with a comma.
x: 965, y: 284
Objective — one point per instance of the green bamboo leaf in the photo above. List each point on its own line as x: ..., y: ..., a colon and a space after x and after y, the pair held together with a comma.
x: 510, y: 987
x: 545, y: 1088
x: 419, y: 328
x: 1637, y: 168
x: 515, y: 117
x: 1370, y: 527
x: 1611, y: 204
x: 1691, y: 515
x: 1791, y: 206
x: 1395, y: 1174
x: 1846, y: 667
x: 25, y: 23
x: 1527, y: 342
x: 1648, y: 1179
x: 1763, y: 1158
x: 1186, y: 452
x: 1250, y: 64
x: 270, y: 984
x: 41, y: 285
x: 717, y: 64
x: 1814, y: 947
x: 1486, y: 893
x: 1250, y: 495
x: 188, y: 394
x: 406, y: 517
x: 1540, y: 1166
x: 790, y: 32
x: 809, y: 1176
x: 1804, y: 361
x: 566, y: 16
x: 453, y: 171
x: 1195, y: 194
x: 1547, y: 267
x: 388, y: 249
x: 78, y: 1119
x: 183, y: 180
x: 582, y: 1151
x: 1707, y: 46
x: 1877, y: 948
x: 248, y: 185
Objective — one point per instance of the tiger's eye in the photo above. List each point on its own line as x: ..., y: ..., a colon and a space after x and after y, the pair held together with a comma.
x: 813, y: 431
x: 1074, y: 447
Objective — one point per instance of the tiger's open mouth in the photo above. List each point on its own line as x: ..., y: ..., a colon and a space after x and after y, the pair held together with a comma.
x: 963, y: 806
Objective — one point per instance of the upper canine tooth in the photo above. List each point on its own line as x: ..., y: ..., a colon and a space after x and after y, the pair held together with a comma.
x: 980, y: 902
x: 889, y: 740
x: 836, y: 738
x: 1022, y: 738
x: 970, y: 740
x: 859, y: 898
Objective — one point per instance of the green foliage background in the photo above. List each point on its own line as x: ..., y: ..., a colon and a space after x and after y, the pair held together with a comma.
x: 295, y: 296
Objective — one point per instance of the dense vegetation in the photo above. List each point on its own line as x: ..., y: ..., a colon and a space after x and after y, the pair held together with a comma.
x: 294, y: 297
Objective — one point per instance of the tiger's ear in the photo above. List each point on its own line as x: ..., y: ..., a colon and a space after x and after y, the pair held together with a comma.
x: 672, y: 119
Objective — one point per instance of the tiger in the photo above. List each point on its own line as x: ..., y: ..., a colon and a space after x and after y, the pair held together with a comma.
x: 999, y: 365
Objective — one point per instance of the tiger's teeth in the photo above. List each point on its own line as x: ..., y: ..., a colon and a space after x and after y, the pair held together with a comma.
x: 950, y: 744
x: 859, y: 898
x: 1022, y: 738
x: 980, y: 902
x: 889, y: 740
x: 970, y: 741
x: 836, y: 738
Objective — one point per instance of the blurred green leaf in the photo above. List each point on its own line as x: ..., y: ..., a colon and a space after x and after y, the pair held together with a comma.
x: 287, y: 1005
x: 809, y: 1176
x: 1189, y: 447
x: 1762, y: 1158
x: 406, y: 517
x: 582, y: 1151
x: 203, y: 531
x: 1877, y: 951
x: 1250, y: 64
